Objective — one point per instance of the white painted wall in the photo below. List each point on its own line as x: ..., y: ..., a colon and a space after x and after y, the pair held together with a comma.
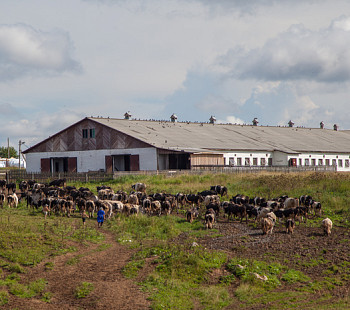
x: 280, y: 159
x: 342, y: 161
x: 246, y: 155
x: 95, y: 160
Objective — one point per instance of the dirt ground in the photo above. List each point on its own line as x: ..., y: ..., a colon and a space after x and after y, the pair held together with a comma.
x: 308, y: 249
x: 113, y: 291
x: 102, y: 268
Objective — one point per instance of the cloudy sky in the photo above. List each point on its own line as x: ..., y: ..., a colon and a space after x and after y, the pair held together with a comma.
x: 275, y: 60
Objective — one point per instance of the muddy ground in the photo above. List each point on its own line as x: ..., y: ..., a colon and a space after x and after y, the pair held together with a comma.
x: 103, y: 268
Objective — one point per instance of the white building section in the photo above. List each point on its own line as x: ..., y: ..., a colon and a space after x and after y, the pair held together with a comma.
x: 93, y: 160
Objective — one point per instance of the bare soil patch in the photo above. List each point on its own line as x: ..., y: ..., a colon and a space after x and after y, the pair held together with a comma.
x: 100, y: 266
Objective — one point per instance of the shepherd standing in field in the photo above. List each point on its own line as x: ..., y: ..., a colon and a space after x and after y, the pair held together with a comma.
x: 100, y: 217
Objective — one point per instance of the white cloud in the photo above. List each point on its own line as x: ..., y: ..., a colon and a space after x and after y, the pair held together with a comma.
x: 297, y: 54
x: 38, y: 127
x: 216, y: 103
x: 27, y: 51
x: 232, y: 120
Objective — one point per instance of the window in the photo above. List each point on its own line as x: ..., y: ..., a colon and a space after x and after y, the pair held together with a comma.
x: 313, y: 162
x: 334, y: 162
x: 320, y: 162
x: 307, y: 163
x: 300, y: 162
x: 328, y: 162
x: 255, y: 161
x: 92, y: 133
x: 247, y: 161
x: 85, y: 133
x: 231, y: 161
x: 269, y: 161
x: 340, y: 162
x: 239, y: 161
x: 262, y: 162
x: 347, y: 163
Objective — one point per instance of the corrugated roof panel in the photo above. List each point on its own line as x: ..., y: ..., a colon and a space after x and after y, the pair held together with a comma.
x: 232, y: 137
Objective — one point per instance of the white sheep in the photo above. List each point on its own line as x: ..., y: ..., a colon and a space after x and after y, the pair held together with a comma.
x: 327, y: 226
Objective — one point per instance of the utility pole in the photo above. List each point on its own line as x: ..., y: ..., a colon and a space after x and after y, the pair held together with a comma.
x: 8, y: 152
x: 19, y: 153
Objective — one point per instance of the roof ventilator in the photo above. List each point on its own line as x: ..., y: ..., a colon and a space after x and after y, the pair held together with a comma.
x: 127, y: 115
x: 212, y: 119
x: 173, y: 118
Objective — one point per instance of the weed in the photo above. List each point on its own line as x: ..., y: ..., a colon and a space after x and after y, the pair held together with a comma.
x: 27, y: 291
x: 227, y: 280
x: 293, y: 276
x: 15, y: 268
x: 49, y: 266
x: 132, y: 268
x: 103, y: 247
x: 83, y: 289
x: 4, y: 298
x: 46, y: 297
x: 74, y: 260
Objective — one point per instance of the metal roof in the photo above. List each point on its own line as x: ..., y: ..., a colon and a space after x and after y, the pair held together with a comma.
x: 205, y: 137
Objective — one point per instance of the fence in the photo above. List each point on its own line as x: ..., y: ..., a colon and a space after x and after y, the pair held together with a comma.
x: 84, y: 177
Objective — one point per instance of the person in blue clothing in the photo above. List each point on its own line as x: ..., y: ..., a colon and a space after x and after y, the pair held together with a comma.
x: 100, y: 217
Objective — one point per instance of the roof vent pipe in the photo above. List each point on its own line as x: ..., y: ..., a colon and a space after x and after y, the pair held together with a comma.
x: 173, y: 118
x: 212, y: 119
x: 127, y: 115
x: 290, y: 123
x: 255, y: 121
x: 335, y: 127
x: 322, y: 125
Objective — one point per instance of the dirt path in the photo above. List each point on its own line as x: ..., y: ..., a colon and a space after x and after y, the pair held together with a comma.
x: 101, y: 266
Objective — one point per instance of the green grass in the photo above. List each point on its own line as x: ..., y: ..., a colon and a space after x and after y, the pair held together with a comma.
x: 26, y: 239
x: 181, y: 274
x: 83, y: 289
x: 27, y: 291
x: 4, y: 298
x: 131, y: 230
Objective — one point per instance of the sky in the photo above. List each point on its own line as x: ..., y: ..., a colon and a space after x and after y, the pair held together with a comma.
x: 237, y: 60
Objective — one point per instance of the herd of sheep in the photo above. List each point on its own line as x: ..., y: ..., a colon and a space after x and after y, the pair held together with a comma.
x: 208, y: 204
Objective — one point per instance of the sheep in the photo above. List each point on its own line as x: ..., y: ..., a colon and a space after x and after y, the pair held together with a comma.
x: 2, y: 200
x: 139, y: 187
x: 316, y: 206
x: 90, y: 206
x: 192, y: 214
x: 327, y: 226
x: 262, y: 213
x: 133, y: 199
x: 211, y: 199
x: 209, y: 218
x: 290, y: 225
x: 267, y: 225
x: 291, y: 203
x: 12, y: 200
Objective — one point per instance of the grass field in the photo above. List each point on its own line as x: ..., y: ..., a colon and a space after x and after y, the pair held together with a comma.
x: 169, y: 262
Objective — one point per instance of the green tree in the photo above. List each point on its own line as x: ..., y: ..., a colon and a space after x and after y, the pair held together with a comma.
x: 3, y: 152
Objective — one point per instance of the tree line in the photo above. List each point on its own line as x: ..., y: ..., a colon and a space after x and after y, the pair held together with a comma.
x: 4, y: 152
